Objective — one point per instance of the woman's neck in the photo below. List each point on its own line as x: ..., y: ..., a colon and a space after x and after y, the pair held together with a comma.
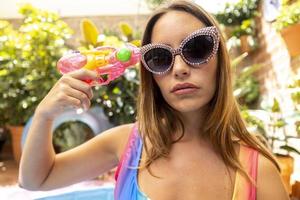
x: 193, y: 123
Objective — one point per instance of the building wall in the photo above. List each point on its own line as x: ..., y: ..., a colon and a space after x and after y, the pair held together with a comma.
x: 278, y: 68
x: 276, y: 72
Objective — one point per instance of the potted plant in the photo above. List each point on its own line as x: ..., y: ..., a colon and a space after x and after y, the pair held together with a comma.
x: 8, y: 85
x: 273, y: 124
x: 28, y: 59
x: 238, y: 19
x: 235, y: 13
x: 288, y: 24
x: 286, y: 161
x: 246, y: 33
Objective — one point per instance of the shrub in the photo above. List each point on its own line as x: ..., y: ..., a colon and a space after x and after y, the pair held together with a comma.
x: 289, y: 15
x: 28, y: 59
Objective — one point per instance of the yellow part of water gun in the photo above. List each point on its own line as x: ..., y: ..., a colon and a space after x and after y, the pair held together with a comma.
x: 96, y: 59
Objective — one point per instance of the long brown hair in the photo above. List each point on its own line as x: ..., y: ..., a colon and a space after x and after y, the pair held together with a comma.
x: 157, y: 120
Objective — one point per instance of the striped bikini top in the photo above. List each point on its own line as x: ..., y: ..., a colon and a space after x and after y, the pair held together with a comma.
x: 127, y: 187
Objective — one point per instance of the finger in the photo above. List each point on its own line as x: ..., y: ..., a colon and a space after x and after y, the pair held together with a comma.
x: 83, y: 74
x: 84, y: 99
x: 71, y: 101
x: 78, y: 85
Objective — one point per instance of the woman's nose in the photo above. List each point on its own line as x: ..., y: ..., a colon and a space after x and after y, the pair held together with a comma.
x: 180, y: 68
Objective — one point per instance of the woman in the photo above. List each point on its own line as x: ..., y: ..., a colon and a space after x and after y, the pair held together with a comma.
x: 189, y: 141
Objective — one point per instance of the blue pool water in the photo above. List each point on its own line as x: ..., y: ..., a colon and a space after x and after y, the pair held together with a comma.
x: 99, y: 194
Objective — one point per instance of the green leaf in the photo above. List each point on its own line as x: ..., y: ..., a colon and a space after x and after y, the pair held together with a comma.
x: 3, y: 72
x: 89, y: 31
x: 275, y: 106
x: 116, y: 90
x: 238, y: 60
x: 290, y: 149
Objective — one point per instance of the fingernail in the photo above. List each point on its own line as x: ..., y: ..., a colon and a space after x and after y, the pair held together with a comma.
x: 85, y: 107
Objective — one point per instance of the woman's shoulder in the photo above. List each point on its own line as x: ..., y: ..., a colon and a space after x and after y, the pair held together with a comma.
x: 122, y: 135
x: 118, y: 137
x: 118, y: 133
x: 269, y: 181
x: 269, y: 184
x: 120, y: 129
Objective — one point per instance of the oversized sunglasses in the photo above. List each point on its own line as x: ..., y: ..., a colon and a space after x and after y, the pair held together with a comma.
x: 196, y: 49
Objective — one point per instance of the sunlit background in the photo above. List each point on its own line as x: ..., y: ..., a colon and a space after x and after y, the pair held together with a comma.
x: 34, y: 34
x: 69, y: 8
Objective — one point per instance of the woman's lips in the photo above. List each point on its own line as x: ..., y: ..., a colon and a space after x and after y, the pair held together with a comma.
x: 184, y: 88
x: 185, y: 91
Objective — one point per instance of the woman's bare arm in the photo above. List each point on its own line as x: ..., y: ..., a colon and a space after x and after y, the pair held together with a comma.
x: 38, y: 154
x: 43, y: 170
x: 40, y: 168
x: 269, y: 183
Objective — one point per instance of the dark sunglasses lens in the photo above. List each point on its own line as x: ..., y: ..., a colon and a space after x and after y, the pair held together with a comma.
x: 196, y: 50
x: 158, y: 59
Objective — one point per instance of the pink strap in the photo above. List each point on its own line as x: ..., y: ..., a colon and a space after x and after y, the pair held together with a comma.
x: 253, y: 164
x: 131, y: 137
x: 250, y: 157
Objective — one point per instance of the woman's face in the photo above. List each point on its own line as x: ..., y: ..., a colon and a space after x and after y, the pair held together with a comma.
x: 197, y: 84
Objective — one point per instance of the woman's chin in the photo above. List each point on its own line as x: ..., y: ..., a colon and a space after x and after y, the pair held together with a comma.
x: 186, y: 108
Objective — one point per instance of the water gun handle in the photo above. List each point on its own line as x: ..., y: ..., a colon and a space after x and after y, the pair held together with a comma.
x: 109, y: 62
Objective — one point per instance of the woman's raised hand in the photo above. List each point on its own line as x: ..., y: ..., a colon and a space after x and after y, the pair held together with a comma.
x: 69, y: 91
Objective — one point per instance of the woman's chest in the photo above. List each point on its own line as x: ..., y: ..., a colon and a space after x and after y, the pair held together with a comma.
x: 187, y: 175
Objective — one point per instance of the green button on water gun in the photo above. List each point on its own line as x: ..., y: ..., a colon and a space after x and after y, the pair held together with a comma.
x: 123, y: 55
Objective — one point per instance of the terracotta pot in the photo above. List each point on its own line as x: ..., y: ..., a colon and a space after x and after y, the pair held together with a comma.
x: 16, y: 135
x: 286, y: 163
x: 291, y: 36
x: 296, y: 190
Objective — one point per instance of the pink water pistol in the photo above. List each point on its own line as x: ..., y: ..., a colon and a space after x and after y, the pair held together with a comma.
x: 109, y: 62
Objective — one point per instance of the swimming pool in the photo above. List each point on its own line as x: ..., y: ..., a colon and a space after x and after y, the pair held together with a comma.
x: 99, y: 194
